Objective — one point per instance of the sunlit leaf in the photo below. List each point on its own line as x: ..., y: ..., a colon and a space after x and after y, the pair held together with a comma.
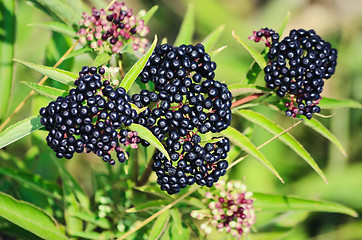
x: 212, y: 38
x: 284, y: 24
x: 79, y: 52
x: 56, y: 27
x: 217, y: 51
x: 154, y: 204
x: 187, y: 28
x: 30, y: 218
x: 49, y: 92
x: 19, y: 130
x: 101, y: 59
x: 92, y: 218
x: 146, y: 18
x: 138, y: 110
x: 239, y: 89
x: 244, y: 143
x: 159, y: 226
x: 330, y: 103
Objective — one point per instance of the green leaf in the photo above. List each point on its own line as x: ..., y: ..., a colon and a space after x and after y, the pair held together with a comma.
x: 128, y: 60
x: 149, y: 137
x: 319, y: 127
x: 212, y: 38
x: 217, y: 51
x: 54, y: 73
x: 287, y: 138
x: 19, y: 130
x: 79, y: 52
x: 101, y: 59
x: 7, y: 40
x: 240, y: 89
x: 330, y: 103
x: 187, y: 28
x: 269, y: 202
x: 177, y: 220
x: 146, y: 18
x: 56, y: 27
x: 253, y: 71
x: 284, y: 24
x: 138, y: 110
x: 148, y: 205
x: 133, y: 73
x: 244, y: 143
x: 61, y: 10
x: 88, y: 235
x: 30, y: 218
x: 49, y: 92
x: 254, y: 53
x: 34, y: 182
x: 91, y: 218
x: 159, y: 226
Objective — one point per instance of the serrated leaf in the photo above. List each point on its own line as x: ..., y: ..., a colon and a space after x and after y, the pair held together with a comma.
x: 284, y: 24
x: 101, y: 59
x: 19, y: 130
x: 148, y: 205
x: 187, y: 28
x: 240, y: 89
x: 56, y: 27
x: 319, y: 127
x: 149, y: 137
x: 54, y: 73
x: 138, y: 110
x: 330, y: 103
x: 146, y: 18
x: 133, y: 73
x: 79, y: 52
x: 287, y: 138
x: 270, y: 202
x: 35, y: 182
x: 254, y: 53
x: 30, y: 218
x: 61, y: 10
x: 160, y: 225
x: 212, y: 38
x: 217, y: 51
x: 244, y: 143
x: 91, y: 218
x: 49, y: 92
x: 7, y: 40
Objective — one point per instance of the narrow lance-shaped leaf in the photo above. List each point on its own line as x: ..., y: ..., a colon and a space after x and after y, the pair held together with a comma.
x: 30, y: 218
x: 147, y: 135
x: 155, y: 204
x: 160, y: 225
x: 128, y: 60
x: 217, y: 51
x: 284, y: 24
x: 330, y: 103
x: 146, y: 18
x: 254, y: 53
x: 54, y: 73
x: 287, y: 138
x: 187, y: 28
x: 19, y: 130
x: 101, y: 59
x: 269, y: 202
x: 35, y: 182
x: 7, y: 40
x: 133, y: 73
x: 56, y: 27
x: 319, y: 127
x: 92, y: 218
x: 79, y: 52
x: 239, y: 89
x: 212, y: 38
x: 177, y: 219
x: 49, y: 92
x: 244, y: 143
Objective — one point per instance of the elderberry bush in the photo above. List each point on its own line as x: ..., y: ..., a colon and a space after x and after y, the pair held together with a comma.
x: 298, y: 65
x: 91, y: 118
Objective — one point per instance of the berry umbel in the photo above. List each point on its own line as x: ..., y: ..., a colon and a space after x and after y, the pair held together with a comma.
x: 298, y: 66
x: 109, y: 31
x: 93, y: 118
x: 230, y: 209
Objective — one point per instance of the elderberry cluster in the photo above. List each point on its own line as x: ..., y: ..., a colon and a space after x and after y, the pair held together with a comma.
x: 297, y: 66
x: 91, y: 118
x: 187, y: 102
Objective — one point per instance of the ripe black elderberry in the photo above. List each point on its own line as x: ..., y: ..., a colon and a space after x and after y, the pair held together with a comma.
x: 92, y: 118
x: 298, y: 64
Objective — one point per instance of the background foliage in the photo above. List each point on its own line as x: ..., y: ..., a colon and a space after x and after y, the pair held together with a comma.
x: 337, y: 21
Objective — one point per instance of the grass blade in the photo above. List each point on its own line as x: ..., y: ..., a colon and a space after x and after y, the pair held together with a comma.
x: 287, y: 138
x: 133, y: 73
x: 19, y: 130
x: 7, y: 40
x: 244, y: 143
x: 254, y: 53
x: 187, y: 29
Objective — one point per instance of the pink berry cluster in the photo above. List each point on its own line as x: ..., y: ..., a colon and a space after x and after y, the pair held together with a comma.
x: 110, y: 30
x: 231, y: 209
x: 264, y: 34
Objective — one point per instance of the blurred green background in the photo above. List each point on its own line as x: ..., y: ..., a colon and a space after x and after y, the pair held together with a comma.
x: 339, y: 22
